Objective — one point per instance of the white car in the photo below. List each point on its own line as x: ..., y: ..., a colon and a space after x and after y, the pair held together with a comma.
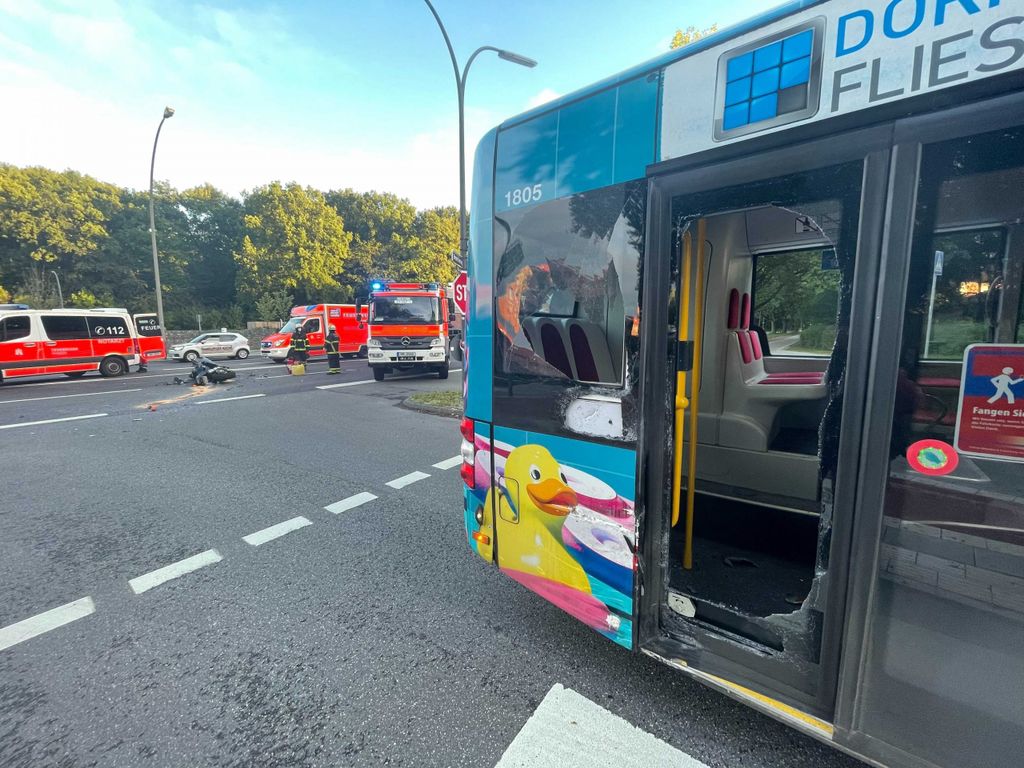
x: 211, y: 345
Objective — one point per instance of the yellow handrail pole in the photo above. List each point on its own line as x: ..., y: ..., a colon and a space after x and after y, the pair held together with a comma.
x: 698, y: 332
x: 681, y: 402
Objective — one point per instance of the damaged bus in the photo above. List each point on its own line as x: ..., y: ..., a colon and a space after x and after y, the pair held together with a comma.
x: 745, y: 369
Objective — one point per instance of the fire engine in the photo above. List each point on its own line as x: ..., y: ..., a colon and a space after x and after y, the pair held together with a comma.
x: 348, y: 321
x: 410, y: 325
x: 40, y: 342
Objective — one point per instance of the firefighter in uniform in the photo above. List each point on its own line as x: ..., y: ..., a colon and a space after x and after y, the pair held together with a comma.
x: 299, y: 351
x: 331, y: 348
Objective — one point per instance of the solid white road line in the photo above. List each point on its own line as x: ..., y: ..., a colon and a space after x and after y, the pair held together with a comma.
x: 451, y: 463
x: 226, y: 399
x: 350, y: 503
x: 404, y: 480
x: 155, y: 578
x: 52, y: 421
x: 569, y: 731
x: 183, y: 371
x: 276, y: 531
x: 28, y: 628
x: 80, y: 394
x: 346, y: 384
x: 370, y: 381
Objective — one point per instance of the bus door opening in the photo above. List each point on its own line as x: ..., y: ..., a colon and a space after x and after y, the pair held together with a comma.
x: 760, y: 310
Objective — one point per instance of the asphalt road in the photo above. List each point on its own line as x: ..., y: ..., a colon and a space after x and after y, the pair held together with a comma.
x: 366, y: 637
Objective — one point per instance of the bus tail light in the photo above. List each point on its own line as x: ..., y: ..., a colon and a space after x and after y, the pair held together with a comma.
x: 468, y: 452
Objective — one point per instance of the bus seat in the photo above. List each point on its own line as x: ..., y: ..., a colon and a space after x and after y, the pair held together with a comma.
x: 590, y: 353
x: 531, y: 330
x: 752, y: 396
x: 554, y: 348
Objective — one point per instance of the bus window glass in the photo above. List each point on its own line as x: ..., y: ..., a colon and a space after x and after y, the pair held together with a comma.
x: 566, y: 294
x: 13, y: 328
x: 795, y: 300
x: 963, y: 305
x: 951, y: 558
x: 65, y: 327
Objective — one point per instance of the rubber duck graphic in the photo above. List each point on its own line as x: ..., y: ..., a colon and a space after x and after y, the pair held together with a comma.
x: 532, y: 506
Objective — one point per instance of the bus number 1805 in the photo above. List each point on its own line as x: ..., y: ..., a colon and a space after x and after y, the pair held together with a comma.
x: 524, y: 195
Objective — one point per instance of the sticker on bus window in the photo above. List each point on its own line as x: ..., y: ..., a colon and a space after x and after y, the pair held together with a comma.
x: 932, y: 457
x: 990, y: 415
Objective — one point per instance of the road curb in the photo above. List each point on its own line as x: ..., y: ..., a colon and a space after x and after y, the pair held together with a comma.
x: 435, y: 410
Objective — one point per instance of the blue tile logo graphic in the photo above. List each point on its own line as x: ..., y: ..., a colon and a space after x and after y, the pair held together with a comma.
x: 771, y: 82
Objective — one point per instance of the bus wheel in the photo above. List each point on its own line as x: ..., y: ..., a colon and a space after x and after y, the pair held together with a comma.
x: 442, y: 373
x: 113, y: 366
x: 75, y: 374
x: 378, y: 374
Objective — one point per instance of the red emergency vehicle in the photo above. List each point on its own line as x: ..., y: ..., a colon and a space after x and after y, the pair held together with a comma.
x: 39, y: 342
x: 410, y: 327
x: 349, y: 324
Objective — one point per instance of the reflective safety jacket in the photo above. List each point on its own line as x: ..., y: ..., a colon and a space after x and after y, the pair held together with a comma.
x: 331, y: 346
x: 299, y: 343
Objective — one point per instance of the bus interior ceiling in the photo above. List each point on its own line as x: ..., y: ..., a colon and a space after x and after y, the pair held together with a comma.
x: 757, y: 522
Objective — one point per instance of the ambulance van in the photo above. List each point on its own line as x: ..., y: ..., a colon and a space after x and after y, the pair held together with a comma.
x: 42, y: 342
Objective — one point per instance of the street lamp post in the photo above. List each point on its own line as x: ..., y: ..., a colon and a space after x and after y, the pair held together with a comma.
x: 168, y: 112
x: 60, y: 293
x: 460, y: 84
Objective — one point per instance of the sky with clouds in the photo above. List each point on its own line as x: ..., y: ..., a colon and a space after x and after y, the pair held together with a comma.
x: 333, y: 93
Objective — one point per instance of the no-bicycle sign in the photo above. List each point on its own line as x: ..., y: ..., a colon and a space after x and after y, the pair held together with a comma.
x: 990, y: 418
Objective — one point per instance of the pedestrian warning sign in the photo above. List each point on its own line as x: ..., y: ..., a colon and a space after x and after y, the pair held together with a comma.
x: 990, y: 417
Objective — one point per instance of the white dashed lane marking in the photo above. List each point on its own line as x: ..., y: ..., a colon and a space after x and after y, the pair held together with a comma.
x: 155, y: 578
x: 226, y: 399
x: 350, y: 503
x: 276, y: 531
x: 52, y: 421
x: 36, y: 625
x: 59, y: 397
x: 451, y: 463
x: 570, y: 731
x: 404, y: 480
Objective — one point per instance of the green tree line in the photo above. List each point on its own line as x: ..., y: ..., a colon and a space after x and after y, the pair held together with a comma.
x: 225, y: 258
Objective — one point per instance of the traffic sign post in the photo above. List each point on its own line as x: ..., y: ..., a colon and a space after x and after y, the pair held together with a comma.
x: 461, y: 290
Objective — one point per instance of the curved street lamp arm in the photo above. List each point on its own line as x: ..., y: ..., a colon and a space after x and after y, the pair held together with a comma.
x: 448, y: 42
x: 469, y: 61
x: 152, y: 161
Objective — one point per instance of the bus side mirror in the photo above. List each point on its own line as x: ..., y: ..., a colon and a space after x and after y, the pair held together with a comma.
x: 451, y: 309
x: 457, y: 351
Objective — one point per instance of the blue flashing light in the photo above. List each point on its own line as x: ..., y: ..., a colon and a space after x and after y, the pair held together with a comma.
x: 378, y: 285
